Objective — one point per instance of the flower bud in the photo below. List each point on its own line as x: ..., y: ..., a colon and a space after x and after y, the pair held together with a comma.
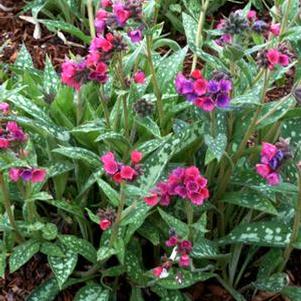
x: 297, y: 94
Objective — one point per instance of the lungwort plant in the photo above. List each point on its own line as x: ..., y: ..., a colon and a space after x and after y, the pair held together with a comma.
x: 137, y: 172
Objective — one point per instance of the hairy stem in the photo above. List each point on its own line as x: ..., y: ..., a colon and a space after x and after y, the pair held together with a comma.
x: 118, y: 215
x: 199, y: 36
x: 7, y: 206
x: 103, y: 103
x: 91, y: 17
x: 296, y: 226
x: 156, y: 87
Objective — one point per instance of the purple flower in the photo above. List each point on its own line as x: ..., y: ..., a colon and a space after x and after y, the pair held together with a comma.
x: 135, y: 35
x: 225, y: 85
x: 26, y: 174
x: 222, y: 100
x: 213, y: 86
x: 183, y: 85
x: 180, y: 190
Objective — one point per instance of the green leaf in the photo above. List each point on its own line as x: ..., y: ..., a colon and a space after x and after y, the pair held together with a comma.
x: 120, y: 250
x: 51, y: 249
x: 80, y: 246
x: 63, y: 267
x: 250, y: 199
x: 292, y: 292
x: 51, y: 80
x: 47, y: 291
x: 269, y: 262
x: 269, y: 233
x: 93, y: 217
x: 274, y: 283
x: 105, y: 253
x: 54, y: 25
x: 78, y: 153
x: 2, y: 264
x: 24, y: 59
x: 216, y: 145
x: 168, y: 69
x: 111, y: 193
x: 149, y: 125
x: 49, y: 231
x: 22, y: 254
x: 180, y: 227
x: 204, y: 248
x: 182, y: 279
x: 92, y: 292
x: 150, y: 232
x: 136, y: 294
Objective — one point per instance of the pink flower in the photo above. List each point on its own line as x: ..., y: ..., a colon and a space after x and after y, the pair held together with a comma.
x: 263, y: 170
x: 101, y: 43
x: 14, y: 174
x: 136, y: 157
x: 275, y: 29
x: 152, y: 200
x: 100, y: 20
x: 273, y: 179
x: 184, y: 261
x: 200, y: 86
x: 252, y: 16
x: 205, y: 103
x: 273, y: 56
x: 121, y: 14
x: 106, y: 3
x: 185, y: 246
x: 105, y: 224
x: 283, y: 60
x: 117, y: 178
x: 4, y: 108
x: 111, y: 167
x: 172, y: 241
x: 268, y: 150
x: 127, y: 172
x: 139, y: 77
x: 196, y: 74
x: 4, y: 143
x: 158, y: 271
x: 192, y: 172
x: 70, y: 72
x: 38, y: 175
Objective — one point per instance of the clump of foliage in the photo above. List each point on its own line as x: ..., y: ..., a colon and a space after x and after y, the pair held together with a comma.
x: 129, y: 169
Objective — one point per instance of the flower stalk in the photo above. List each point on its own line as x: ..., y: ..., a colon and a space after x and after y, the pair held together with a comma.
x: 7, y: 206
x: 156, y: 87
x: 91, y: 18
x: 199, y: 36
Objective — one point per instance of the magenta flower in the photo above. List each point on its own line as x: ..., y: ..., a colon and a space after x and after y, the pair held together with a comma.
x: 121, y: 13
x: 283, y: 60
x: 119, y: 171
x: 100, y: 20
x: 273, y: 56
x: 71, y: 74
x: 152, y: 200
x: 4, y: 108
x: 252, y: 15
x: 105, y: 224
x: 139, y: 77
x: 38, y: 175
x: 263, y: 170
x: 275, y: 29
x: 200, y: 86
x: 4, y: 143
x: 14, y: 174
x: 273, y: 179
x: 268, y: 150
x: 106, y: 3
x: 184, y: 261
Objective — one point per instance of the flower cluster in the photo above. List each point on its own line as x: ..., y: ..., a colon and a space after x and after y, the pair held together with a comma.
x: 119, y: 171
x: 107, y: 218
x: 272, y: 57
x: 206, y: 95
x: 94, y: 66
x: 116, y: 15
x: 11, y: 133
x: 238, y: 24
x: 33, y: 175
x: 180, y: 254
x: 186, y: 183
x: 272, y: 158
x: 4, y: 108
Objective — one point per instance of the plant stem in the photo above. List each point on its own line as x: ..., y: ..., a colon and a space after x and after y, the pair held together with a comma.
x: 7, y: 206
x: 91, y: 17
x: 296, y: 226
x: 156, y: 87
x: 189, y: 214
x: 118, y: 215
x: 199, y: 36
x: 242, y: 146
x: 285, y: 18
x: 103, y: 103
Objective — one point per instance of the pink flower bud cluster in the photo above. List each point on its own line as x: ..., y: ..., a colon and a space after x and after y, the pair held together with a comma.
x: 186, y: 183
x: 119, y: 171
x: 271, y: 160
x: 33, y: 175
x: 10, y: 133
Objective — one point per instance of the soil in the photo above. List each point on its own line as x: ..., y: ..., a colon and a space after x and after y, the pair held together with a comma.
x: 17, y: 286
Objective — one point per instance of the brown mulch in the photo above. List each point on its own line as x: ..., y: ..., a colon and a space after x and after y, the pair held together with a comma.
x: 15, y: 31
